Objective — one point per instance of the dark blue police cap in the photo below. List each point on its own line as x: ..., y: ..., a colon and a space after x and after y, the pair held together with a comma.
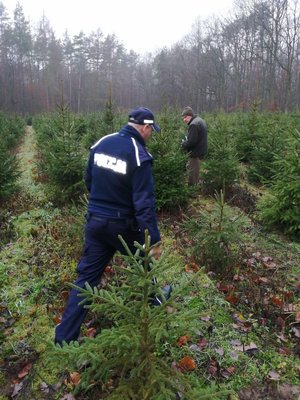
x: 143, y: 116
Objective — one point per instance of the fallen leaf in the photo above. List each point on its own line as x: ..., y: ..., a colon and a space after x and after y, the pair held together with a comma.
x: 235, y: 342
x: 64, y: 294
x: 280, y: 322
x: 103, y: 281
x: 239, y: 317
x: 195, y: 267
x: 244, y: 327
x: 25, y: 371
x: 194, y: 347
x: 213, y: 368
x: 75, y: 378
x: 227, y: 372
x: 250, y: 262
x: 202, y: 343
x: 68, y: 396
x: 224, y: 288
x: 246, y: 348
x: 289, y: 308
x: 267, y: 259
x: 17, y: 388
x: 109, y: 270
x: 282, y: 338
x: 283, y: 351
x: 8, y: 332
x: 174, y: 365
x: 187, y: 268
x: 232, y: 299
x: 263, y: 279
x: 108, y: 384
x: 183, y: 340
x: 234, y: 355
x: 296, y: 332
x: 44, y: 387
x: 170, y: 309
x: 251, y: 346
x: 276, y: 301
x: 273, y: 375
x: 55, y: 387
x: 263, y: 321
x: 57, y: 319
x: 220, y: 351
x: 270, y: 265
x: 187, y: 364
x: 91, y: 332
x: 288, y: 295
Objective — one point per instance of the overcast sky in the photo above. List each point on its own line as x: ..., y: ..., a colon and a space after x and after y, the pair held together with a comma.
x: 141, y: 26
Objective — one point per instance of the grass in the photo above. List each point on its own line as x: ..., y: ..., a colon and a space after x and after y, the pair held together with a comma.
x: 26, y: 156
x: 238, y: 344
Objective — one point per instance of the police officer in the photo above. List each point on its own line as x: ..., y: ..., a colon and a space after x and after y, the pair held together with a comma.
x: 121, y: 202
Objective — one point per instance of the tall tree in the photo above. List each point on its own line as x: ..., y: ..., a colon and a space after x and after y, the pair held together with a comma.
x: 5, y: 35
x: 22, y: 47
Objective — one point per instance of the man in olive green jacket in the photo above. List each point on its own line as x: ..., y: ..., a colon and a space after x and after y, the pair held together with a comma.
x: 195, y: 143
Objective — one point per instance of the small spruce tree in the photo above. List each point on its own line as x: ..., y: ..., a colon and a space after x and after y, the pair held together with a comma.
x: 271, y: 144
x: 216, y: 236
x: 169, y: 166
x: 100, y: 124
x: 133, y: 354
x: 62, y: 158
x: 248, y: 136
x: 9, y: 171
x: 11, y: 128
x: 281, y: 207
x: 221, y: 168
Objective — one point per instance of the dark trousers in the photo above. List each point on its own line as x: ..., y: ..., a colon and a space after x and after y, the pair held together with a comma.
x: 193, y: 167
x: 101, y: 243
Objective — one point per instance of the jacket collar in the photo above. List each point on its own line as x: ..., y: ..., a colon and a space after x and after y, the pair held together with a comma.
x: 194, y: 116
x: 131, y: 131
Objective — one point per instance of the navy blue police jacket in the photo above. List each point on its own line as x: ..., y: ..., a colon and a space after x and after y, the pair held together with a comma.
x: 120, y: 181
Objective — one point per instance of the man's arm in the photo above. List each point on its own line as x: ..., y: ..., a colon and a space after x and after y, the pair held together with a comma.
x: 192, y: 138
x: 88, y: 173
x: 144, y: 201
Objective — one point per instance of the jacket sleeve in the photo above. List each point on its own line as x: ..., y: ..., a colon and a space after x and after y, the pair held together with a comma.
x: 88, y: 173
x: 192, y: 138
x: 143, y: 200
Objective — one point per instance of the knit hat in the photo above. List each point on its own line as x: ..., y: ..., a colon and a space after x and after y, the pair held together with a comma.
x: 143, y: 116
x: 187, y: 111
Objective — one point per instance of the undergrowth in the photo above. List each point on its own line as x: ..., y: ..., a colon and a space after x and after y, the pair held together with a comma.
x: 228, y: 349
x: 241, y: 286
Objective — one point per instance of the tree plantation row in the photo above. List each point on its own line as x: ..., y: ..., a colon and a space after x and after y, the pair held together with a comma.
x: 246, y: 150
x: 230, y: 329
x: 221, y: 64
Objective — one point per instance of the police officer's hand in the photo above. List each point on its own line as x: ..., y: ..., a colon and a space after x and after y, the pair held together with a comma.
x: 155, y: 251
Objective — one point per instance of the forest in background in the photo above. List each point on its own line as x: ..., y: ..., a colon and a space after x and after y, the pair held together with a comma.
x: 221, y: 64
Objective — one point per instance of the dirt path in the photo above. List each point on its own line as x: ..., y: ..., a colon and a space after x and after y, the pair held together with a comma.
x: 26, y: 156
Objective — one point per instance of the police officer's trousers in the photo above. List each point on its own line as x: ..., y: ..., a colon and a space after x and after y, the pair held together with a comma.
x: 101, y: 243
